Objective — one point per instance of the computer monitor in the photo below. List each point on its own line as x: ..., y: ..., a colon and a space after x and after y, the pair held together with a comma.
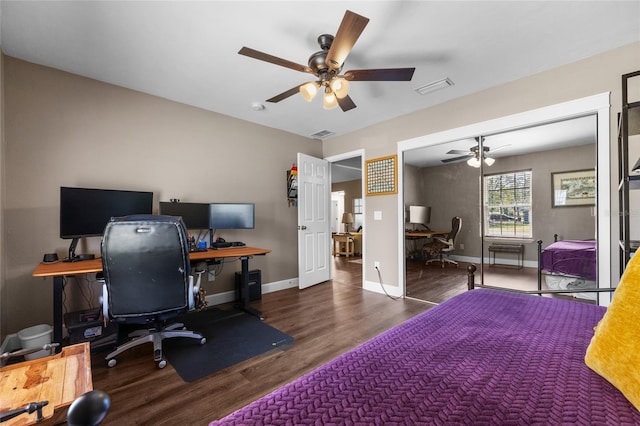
x: 194, y: 215
x: 231, y: 216
x: 419, y: 215
x: 84, y: 212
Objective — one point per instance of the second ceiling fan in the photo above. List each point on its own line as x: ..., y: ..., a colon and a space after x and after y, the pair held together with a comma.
x: 327, y: 63
x: 472, y: 155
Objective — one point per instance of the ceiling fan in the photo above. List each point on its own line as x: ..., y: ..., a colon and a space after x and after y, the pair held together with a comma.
x: 473, y: 154
x: 327, y: 63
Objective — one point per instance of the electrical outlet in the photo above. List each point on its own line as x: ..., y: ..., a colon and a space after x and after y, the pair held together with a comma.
x: 211, y: 276
x: 376, y: 264
x: 461, y: 246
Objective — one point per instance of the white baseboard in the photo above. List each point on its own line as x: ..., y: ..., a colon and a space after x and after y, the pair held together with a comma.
x: 230, y: 296
x: 377, y: 288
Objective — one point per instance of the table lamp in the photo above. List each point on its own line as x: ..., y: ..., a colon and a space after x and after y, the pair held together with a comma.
x: 347, y: 218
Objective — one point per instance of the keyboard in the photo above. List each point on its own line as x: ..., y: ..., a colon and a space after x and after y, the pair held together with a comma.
x: 227, y: 244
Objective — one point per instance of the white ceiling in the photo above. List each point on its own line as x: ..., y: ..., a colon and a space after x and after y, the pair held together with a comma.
x: 187, y: 51
x: 560, y: 134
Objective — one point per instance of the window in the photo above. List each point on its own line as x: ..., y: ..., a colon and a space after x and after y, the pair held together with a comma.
x: 357, y: 213
x: 507, y: 205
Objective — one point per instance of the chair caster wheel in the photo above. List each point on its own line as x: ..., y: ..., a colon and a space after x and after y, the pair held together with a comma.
x: 112, y: 362
x: 162, y: 363
x: 203, y: 340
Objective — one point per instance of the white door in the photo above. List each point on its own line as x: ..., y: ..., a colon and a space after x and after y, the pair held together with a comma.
x: 314, y: 235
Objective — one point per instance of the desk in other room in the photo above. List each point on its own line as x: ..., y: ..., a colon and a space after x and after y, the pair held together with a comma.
x: 59, y: 270
x: 413, y: 236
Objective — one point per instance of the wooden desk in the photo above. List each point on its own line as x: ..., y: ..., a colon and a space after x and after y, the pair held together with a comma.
x: 59, y: 270
x: 59, y: 379
x: 412, y: 236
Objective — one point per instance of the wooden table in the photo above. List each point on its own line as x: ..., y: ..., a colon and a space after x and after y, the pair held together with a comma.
x: 59, y: 379
x: 59, y: 270
x: 343, y: 244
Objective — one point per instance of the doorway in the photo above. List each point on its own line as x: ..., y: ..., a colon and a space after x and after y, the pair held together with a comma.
x: 347, y: 209
x: 442, y: 143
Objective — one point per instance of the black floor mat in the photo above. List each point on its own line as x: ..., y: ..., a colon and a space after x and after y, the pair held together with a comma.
x: 232, y: 337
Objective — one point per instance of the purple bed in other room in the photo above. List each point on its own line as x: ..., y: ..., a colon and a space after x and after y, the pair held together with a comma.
x: 483, y: 357
x: 570, y: 257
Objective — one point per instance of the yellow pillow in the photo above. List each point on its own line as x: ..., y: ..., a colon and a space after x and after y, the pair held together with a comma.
x: 614, y: 351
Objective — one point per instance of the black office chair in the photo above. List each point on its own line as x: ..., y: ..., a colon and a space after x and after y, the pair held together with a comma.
x: 147, y: 279
x: 435, y: 249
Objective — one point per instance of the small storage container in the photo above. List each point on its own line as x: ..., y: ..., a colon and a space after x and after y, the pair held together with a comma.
x: 36, y: 337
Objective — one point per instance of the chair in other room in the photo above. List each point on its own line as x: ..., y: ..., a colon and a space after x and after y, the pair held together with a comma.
x: 147, y: 280
x: 435, y: 249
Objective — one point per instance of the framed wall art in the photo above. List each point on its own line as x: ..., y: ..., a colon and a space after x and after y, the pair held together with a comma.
x: 382, y: 175
x: 573, y: 188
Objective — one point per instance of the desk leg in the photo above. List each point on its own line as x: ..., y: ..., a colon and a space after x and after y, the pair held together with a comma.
x: 57, y: 310
x: 244, y: 294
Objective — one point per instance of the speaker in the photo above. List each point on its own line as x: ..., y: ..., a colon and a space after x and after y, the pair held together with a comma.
x: 255, y: 285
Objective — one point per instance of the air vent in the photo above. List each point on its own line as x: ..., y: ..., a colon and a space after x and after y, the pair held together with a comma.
x: 322, y: 134
x: 435, y: 85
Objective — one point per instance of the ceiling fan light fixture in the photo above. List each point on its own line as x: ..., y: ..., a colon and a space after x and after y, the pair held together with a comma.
x: 309, y: 90
x: 340, y: 87
x: 489, y: 161
x: 474, y: 162
x: 330, y: 101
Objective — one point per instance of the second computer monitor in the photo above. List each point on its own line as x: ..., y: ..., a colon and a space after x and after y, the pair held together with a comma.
x: 194, y: 215
x: 231, y: 216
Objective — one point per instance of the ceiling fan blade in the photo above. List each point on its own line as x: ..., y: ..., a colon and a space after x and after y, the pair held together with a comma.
x: 459, y: 151
x: 346, y: 103
x: 453, y: 160
x: 381, y: 74
x: 256, y: 54
x: 285, y: 95
x: 350, y: 29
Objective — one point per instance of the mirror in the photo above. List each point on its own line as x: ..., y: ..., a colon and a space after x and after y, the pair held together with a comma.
x: 504, y: 198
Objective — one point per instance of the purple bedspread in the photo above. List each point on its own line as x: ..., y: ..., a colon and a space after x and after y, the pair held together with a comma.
x: 484, y: 357
x: 570, y: 257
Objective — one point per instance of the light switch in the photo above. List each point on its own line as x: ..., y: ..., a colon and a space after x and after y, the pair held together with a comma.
x: 377, y: 215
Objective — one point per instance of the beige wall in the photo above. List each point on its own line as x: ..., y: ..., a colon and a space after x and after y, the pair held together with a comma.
x: 65, y: 130
x: 352, y: 189
x: 595, y: 75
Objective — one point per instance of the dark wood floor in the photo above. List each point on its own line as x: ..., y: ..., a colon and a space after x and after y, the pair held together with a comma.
x: 326, y: 320
x: 436, y: 284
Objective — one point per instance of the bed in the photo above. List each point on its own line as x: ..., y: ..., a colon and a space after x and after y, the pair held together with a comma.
x: 568, y: 265
x: 483, y: 357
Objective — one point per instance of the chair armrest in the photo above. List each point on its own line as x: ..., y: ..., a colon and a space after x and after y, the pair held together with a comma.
x: 194, y: 288
x: 105, y: 303
x: 444, y: 241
